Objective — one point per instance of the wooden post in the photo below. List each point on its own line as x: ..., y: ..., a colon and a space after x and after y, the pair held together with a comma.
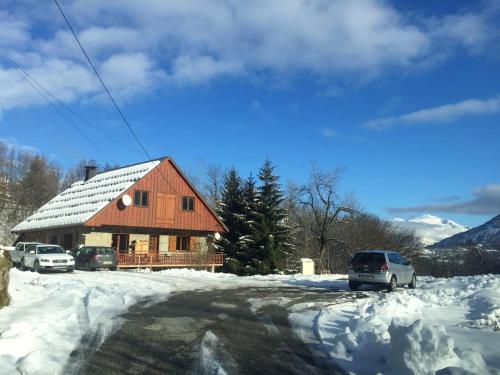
x: 213, y: 269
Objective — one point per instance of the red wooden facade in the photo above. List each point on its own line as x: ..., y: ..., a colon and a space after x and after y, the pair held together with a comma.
x: 166, y: 187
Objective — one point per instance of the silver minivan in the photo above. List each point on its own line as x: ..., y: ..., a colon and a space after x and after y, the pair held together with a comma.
x: 381, y: 267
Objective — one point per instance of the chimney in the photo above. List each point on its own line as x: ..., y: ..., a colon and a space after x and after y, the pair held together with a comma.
x: 90, y: 171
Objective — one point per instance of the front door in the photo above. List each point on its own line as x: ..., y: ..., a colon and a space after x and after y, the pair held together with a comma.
x: 68, y: 241
x: 153, y: 244
x: 120, y: 242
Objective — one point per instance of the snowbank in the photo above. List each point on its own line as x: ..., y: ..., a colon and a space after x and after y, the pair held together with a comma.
x: 51, y: 313
x: 447, y: 324
x: 444, y: 324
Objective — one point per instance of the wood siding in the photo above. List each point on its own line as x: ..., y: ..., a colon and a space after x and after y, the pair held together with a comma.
x: 166, y: 187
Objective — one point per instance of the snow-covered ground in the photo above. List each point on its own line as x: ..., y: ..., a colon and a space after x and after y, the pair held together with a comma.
x: 443, y: 323
x: 50, y: 313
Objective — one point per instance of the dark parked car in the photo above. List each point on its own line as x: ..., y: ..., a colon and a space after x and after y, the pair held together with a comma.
x: 91, y: 258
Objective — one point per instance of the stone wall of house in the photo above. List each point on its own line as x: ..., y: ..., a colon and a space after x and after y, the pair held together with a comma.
x: 5, y: 266
x: 98, y: 239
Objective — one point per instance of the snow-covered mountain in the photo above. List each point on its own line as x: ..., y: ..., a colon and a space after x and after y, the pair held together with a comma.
x: 486, y: 235
x: 429, y: 228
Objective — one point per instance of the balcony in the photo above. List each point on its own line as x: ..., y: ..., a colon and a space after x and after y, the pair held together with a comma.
x: 201, y: 260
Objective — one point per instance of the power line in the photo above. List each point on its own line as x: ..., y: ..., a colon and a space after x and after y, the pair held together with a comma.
x: 125, y: 121
x: 44, y: 96
x: 106, y: 89
x: 102, y: 82
x: 60, y: 102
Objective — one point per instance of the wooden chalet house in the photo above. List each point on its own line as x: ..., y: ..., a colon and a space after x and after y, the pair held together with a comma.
x: 149, y: 212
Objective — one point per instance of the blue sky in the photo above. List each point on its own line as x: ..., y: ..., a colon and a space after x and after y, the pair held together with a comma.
x: 405, y: 97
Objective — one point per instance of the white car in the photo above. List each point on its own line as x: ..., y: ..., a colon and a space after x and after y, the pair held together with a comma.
x: 41, y: 258
x: 381, y: 267
x: 19, y: 251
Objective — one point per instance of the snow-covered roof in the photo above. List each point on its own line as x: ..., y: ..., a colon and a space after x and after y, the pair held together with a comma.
x: 77, y: 204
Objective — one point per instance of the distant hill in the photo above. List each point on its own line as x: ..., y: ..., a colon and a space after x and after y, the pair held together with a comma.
x: 486, y: 235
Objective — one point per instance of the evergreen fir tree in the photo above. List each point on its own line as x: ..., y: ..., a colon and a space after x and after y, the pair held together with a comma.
x: 249, y: 243
x: 270, y: 230
x: 231, y: 210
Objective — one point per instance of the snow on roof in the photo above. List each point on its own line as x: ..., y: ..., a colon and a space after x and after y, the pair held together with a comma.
x: 78, y: 203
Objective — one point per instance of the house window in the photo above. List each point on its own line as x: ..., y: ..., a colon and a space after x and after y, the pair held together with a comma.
x: 183, y: 243
x: 141, y: 198
x: 188, y: 203
x: 153, y: 244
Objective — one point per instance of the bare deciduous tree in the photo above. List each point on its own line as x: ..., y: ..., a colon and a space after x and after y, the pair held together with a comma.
x: 323, y: 210
x: 214, y: 183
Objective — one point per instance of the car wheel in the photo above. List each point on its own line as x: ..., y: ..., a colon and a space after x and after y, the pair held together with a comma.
x: 413, y: 283
x: 392, y: 284
x: 70, y: 270
x: 88, y: 267
x: 112, y: 268
x: 354, y: 285
x: 23, y: 266
x: 36, y: 267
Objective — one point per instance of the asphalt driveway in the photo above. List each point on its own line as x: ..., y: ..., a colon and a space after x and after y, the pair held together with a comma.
x: 235, y: 331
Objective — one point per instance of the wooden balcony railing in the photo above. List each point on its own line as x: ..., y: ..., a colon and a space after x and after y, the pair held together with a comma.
x: 170, y: 260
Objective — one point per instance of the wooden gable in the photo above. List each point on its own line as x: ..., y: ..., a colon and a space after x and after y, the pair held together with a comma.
x: 166, y: 186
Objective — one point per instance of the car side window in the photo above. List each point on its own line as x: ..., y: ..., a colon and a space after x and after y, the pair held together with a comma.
x: 403, y: 260
x: 393, y: 258
x: 18, y: 247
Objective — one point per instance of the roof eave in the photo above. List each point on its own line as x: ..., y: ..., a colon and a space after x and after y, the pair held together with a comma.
x: 41, y: 229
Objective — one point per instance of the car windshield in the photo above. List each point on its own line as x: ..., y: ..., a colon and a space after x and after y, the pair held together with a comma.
x: 368, y: 258
x: 50, y: 250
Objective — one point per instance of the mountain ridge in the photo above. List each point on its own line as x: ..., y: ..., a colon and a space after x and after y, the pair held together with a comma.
x: 429, y: 228
x: 486, y: 235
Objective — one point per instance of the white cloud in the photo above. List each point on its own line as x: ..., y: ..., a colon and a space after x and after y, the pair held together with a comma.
x: 430, y: 229
x: 140, y: 72
x: 469, y: 30
x: 486, y: 201
x: 444, y: 113
x: 125, y: 74
x: 199, y: 69
x: 67, y: 79
x: 14, y: 32
x: 197, y: 41
x: 97, y: 41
